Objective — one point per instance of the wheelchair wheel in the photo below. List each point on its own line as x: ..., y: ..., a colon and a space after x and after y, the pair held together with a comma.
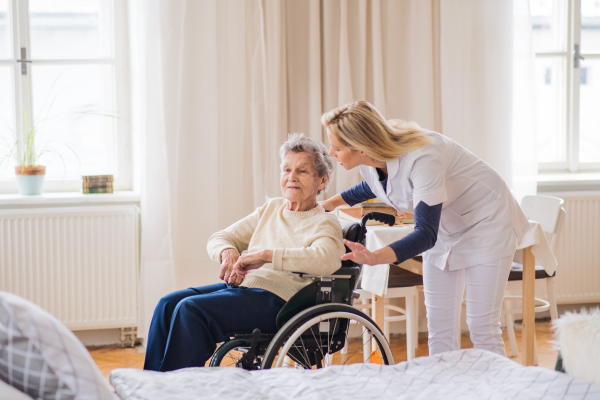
x: 230, y: 353
x: 325, y: 335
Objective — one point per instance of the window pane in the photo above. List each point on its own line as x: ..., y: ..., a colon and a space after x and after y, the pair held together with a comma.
x: 7, y: 123
x: 549, y: 22
x: 70, y: 105
x: 589, y: 117
x: 5, y: 31
x: 551, y: 108
x: 590, y: 26
x: 71, y: 28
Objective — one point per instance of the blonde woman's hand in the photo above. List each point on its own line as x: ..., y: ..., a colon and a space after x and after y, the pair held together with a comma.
x: 361, y: 255
x: 228, y: 259
x: 327, y: 205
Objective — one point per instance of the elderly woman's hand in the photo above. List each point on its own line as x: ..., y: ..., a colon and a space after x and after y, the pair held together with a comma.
x: 250, y: 261
x: 228, y: 259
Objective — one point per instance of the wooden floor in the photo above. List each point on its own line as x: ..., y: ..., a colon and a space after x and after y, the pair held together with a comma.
x: 108, y: 358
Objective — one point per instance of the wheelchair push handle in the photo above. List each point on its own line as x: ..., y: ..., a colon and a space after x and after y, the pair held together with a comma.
x: 378, y: 216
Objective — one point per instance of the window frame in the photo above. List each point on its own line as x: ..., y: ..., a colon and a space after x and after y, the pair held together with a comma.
x: 574, y: 164
x: 572, y: 92
x: 22, y: 92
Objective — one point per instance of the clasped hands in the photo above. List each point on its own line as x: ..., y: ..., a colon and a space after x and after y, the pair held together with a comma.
x: 234, y: 266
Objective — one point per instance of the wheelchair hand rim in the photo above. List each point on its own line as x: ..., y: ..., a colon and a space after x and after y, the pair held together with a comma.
x: 332, y: 314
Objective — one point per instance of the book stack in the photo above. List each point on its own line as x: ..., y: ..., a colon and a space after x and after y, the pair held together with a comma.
x: 378, y: 206
x: 355, y: 215
x: 97, y: 184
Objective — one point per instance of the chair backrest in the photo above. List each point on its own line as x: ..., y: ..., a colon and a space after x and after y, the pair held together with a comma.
x: 547, y: 211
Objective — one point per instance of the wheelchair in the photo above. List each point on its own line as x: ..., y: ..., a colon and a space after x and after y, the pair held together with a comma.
x: 318, y: 327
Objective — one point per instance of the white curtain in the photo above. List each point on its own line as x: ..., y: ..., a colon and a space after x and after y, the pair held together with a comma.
x: 524, y: 132
x: 487, y: 97
x: 218, y: 85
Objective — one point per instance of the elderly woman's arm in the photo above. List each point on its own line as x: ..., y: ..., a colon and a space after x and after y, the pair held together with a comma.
x: 321, y: 257
x: 226, y: 246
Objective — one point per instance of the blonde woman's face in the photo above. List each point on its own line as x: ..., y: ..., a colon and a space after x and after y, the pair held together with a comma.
x: 345, y: 156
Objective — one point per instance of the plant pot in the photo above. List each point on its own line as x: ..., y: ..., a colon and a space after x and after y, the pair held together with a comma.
x: 30, y: 179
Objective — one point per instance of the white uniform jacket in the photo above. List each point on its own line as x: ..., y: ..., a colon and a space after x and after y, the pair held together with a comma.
x: 481, y: 221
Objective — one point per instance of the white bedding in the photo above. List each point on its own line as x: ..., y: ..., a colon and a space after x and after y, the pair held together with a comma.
x: 463, y: 374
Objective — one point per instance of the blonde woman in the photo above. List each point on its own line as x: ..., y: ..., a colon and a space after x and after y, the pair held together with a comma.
x: 467, y: 222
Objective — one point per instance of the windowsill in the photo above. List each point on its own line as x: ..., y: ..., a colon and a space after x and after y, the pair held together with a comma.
x: 568, y: 182
x: 67, y: 198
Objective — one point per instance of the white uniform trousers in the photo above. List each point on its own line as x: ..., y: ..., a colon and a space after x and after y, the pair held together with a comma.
x: 485, y: 287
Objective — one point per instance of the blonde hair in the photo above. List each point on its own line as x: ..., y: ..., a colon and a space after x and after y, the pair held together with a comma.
x: 360, y: 126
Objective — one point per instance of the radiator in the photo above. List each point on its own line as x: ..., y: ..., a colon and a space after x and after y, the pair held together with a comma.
x: 79, y: 264
x: 578, y: 251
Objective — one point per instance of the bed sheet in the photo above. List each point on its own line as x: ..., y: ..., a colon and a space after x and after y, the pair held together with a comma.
x: 462, y: 374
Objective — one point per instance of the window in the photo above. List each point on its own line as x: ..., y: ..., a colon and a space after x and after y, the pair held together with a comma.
x: 566, y: 40
x: 75, y: 52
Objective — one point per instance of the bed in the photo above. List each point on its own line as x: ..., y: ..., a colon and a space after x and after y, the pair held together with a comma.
x: 463, y: 374
x: 41, y: 358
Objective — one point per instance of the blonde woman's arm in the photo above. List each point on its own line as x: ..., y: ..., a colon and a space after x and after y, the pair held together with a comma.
x: 333, y: 202
x: 356, y: 194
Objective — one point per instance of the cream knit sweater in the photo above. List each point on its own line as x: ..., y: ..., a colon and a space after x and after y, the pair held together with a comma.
x: 302, y: 241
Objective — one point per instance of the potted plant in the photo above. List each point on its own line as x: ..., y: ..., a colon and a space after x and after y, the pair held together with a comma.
x: 30, y: 175
x: 30, y: 179
x: 27, y: 152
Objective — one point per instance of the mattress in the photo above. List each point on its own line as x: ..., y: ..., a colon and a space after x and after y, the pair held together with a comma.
x: 462, y: 374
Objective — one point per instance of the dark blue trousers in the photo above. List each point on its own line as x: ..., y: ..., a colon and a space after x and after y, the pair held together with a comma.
x: 188, y: 324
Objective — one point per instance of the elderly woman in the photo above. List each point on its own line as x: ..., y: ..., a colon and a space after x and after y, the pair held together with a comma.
x: 288, y: 234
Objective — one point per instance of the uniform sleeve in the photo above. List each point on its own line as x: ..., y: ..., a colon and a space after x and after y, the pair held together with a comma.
x: 428, y: 178
x: 427, y: 223
x: 357, y: 194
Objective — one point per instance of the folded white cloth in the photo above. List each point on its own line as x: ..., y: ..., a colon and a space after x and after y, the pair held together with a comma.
x: 540, y: 248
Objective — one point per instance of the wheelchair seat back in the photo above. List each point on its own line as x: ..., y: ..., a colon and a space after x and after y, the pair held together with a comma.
x: 331, y: 289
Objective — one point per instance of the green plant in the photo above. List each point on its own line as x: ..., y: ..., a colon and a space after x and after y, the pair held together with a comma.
x: 26, y: 146
x: 23, y: 147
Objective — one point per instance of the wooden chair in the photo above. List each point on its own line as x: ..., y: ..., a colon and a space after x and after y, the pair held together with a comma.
x: 401, y: 283
x: 550, y: 214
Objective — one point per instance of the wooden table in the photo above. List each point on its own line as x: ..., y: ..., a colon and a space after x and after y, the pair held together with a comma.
x: 528, y: 329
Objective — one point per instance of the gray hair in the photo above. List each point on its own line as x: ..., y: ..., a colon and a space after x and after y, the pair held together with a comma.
x: 298, y: 143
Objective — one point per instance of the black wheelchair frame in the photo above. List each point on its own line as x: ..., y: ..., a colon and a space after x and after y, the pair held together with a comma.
x: 305, y: 333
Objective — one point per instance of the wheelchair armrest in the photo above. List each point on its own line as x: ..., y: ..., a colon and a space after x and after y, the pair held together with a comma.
x: 354, y: 271
x: 344, y: 272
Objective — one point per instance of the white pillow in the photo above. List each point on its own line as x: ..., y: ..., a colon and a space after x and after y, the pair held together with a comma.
x: 41, y: 357
x: 578, y: 336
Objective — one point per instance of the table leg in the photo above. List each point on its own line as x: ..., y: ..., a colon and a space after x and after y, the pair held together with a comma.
x: 378, y: 307
x: 528, y: 331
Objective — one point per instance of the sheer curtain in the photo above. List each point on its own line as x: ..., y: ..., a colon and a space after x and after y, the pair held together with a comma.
x: 218, y: 85
x: 487, y: 97
x: 524, y: 131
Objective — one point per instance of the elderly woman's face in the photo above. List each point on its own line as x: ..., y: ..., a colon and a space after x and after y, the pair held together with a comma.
x: 300, y: 181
